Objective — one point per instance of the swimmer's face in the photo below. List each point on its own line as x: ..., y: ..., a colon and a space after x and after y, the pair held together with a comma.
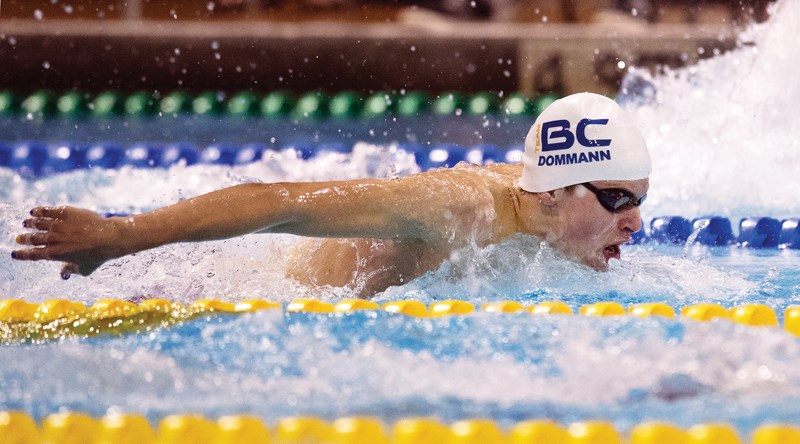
x: 591, y: 234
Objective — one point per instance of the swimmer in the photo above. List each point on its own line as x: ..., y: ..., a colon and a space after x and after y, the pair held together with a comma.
x: 583, y: 175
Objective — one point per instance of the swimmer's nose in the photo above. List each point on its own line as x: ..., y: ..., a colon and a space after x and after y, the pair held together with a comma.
x: 630, y: 220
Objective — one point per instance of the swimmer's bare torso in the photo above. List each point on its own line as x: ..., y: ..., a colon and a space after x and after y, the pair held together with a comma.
x: 369, y: 266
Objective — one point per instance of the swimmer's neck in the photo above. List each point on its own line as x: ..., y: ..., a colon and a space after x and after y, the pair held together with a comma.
x: 533, y: 214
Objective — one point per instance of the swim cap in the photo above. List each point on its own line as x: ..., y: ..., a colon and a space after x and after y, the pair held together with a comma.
x: 581, y: 138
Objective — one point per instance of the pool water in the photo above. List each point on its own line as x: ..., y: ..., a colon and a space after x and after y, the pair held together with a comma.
x: 723, y: 142
x: 506, y: 367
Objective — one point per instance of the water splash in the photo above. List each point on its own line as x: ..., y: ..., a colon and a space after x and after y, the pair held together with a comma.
x: 721, y: 132
x: 526, y: 270
x: 701, y: 225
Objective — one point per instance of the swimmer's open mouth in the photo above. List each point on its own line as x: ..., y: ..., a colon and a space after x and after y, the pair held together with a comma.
x: 612, y: 251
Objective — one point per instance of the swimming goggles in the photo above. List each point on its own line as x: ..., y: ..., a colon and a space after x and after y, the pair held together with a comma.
x: 615, y: 200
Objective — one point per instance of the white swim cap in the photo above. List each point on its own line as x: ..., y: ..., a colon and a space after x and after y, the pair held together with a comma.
x: 581, y: 138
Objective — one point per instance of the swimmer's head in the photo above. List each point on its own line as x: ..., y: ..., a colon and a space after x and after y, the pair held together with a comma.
x: 582, y: 138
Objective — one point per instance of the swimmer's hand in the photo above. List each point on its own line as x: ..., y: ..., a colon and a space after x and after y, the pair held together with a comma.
x: 82, y: 239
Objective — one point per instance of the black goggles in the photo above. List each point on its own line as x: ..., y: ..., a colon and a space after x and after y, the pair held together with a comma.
x: 615, y: 200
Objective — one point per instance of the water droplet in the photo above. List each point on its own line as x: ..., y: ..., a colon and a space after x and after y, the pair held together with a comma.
x: 215, y: 45
x: 621, y: 64
x: 46, y: 64
x: 634, y: 12
x: 210, y: 6
x: 68, y: 9
x: 413, y: 48
x: 38, y: 14
x: 217, y: 56
x: 544, y: 18
x: 177, y: 51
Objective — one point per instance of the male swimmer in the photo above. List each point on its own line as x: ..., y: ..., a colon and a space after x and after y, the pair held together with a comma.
x: 583, y: 175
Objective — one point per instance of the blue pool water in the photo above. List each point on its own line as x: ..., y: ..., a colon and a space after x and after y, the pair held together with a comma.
x: 723, y: 142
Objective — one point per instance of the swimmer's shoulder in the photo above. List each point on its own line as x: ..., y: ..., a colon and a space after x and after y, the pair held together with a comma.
x: 495, y: 174
x: 493, y: 178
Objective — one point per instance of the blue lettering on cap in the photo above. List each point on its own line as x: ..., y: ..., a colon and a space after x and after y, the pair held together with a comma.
x: 561, y: 131
x: 580, y: 133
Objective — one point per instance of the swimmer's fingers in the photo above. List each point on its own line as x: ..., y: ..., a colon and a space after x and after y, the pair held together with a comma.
x: 69, y: 269
x: 39, y: 223
x: 46, y: 247
x: 85, y: 269
x: 51, y: 212
x: 33, y: 239
x: 31, y: 254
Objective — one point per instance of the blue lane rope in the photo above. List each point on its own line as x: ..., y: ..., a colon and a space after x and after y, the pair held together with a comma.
x: 35, y: 158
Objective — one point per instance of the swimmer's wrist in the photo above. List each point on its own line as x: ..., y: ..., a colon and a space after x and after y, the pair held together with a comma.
x: 125, y: 237
x: 115, y: 239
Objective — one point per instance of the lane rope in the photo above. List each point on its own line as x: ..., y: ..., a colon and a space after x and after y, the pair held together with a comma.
x: 71, y: 427
x: 24, y: 321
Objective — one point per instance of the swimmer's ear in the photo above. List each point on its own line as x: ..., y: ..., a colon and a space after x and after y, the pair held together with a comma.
x: 550, y: 198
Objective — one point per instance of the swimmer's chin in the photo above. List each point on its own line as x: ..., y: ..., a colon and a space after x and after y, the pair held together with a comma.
x: 598, y: 265
x: 600, y: 262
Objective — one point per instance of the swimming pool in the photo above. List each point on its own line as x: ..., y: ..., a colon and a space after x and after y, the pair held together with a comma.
x: 721, y: 144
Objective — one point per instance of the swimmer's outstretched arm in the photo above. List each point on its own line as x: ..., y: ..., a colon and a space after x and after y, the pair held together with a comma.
x: 405, y: 209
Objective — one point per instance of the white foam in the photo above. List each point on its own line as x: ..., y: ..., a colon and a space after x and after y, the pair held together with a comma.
x: 723, y: 133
